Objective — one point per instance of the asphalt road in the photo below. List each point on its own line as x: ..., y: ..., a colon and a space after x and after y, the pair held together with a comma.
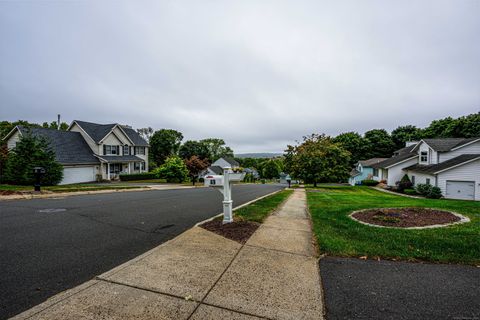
x: 50, y: 245
x: 358, y: 289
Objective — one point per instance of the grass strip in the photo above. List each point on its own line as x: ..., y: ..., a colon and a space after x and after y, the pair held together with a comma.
x: 259, y: 210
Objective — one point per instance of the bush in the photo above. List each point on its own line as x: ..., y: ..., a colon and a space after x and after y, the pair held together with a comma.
x: 173, y: 170
x: 405, y: 183
x: 410, y: 192
x: 368, y: 182
x: 138, y: 176
x: 429, y: 191
x: 435, y: 193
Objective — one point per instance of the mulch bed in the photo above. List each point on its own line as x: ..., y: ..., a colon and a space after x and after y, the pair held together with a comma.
x: 405, y: 217
x: 8, y: 192
x: 239, y: 231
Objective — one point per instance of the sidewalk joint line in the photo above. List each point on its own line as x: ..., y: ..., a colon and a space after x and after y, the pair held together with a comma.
x: 277, y: 250
x: 215, y: 283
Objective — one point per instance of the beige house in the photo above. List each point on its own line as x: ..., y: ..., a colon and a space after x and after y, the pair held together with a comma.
x: 89, y: 151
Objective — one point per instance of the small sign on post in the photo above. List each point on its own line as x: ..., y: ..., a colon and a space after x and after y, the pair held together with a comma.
x: 224, y: 184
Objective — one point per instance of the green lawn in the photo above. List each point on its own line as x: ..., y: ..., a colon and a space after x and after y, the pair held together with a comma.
x: 338, y: 235
x: 260, y: 209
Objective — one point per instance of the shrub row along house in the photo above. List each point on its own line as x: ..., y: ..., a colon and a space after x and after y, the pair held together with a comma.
x: 90, y: 151
x: 452, y: 164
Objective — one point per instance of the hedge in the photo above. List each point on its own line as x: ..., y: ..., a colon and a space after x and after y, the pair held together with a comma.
x: 369, y: 182
x: 138, y: 176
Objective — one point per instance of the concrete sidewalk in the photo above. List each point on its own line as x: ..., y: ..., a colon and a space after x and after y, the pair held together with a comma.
x: 201, y: 275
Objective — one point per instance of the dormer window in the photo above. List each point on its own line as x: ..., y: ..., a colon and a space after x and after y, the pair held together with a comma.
x: 424, y: 156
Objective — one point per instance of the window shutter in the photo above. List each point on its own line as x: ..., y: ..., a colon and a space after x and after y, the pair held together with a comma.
x: 104, y: 149
x: 134, y: 151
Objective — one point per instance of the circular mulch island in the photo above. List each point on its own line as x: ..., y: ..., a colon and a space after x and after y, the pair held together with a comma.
x: 408, y: 218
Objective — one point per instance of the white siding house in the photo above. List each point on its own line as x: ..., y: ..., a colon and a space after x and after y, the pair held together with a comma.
x: 452, y: 164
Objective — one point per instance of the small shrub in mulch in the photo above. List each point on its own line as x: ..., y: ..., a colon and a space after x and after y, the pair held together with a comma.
x: 238, y: 230
x: 406, y: 217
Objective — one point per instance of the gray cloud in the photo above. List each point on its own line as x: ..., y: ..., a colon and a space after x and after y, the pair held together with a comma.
x: 259, y: 74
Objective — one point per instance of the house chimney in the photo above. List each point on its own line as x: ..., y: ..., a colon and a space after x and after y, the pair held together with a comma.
x: 58, y: 122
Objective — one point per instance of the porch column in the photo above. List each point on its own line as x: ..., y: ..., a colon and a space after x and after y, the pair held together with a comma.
x: 129, y: 170
x: 108, y: 171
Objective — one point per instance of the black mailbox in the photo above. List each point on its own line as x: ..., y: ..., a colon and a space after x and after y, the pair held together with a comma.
x: 39, y: 172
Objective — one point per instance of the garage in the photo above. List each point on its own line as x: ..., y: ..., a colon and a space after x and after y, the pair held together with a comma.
x: 463, y: 190
x: 78, y: 174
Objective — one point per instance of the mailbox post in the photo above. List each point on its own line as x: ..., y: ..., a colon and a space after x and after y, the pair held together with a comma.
x: 224, y: 184
x: 39, y: 172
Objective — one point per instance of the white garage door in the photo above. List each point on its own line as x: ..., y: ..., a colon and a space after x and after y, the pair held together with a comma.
x: 78, y: 174
x: 463, y: 190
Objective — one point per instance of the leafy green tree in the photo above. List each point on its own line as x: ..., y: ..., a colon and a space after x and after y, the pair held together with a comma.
x: 443, y: 128
x: 164, y: 143
x: 194, y: 148
x: 271, y: 169
x: 195, y: 166
x: 379, y: 144
x: 6, y: 126
x: 54, y: 125
x: 217, y: 148
x: 466, y: 127
x: 354, y: 143
x: 173, y: 170
x: 318, y: 159
x: 30, y: 152
x: 403, y: 134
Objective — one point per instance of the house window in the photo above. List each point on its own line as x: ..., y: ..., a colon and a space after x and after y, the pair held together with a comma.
x: 375, y: 172
x: 126, y: 150
x: 140, y: 150
x: 111, y: 150
x: 413, y: 180
x: 424, y: 156
x: 137, y: 166
x: 427, y: 181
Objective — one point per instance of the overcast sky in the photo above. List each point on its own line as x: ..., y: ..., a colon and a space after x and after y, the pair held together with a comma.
x: 259, y: 74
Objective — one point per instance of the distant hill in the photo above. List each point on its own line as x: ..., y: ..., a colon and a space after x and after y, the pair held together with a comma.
x: 258, y: 155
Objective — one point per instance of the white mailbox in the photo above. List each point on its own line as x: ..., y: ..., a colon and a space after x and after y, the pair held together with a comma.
x: 225, y: 187
x: 214, y: 181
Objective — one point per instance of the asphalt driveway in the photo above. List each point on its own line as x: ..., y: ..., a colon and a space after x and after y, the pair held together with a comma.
x: 50, y: 245
x: 358, y: 289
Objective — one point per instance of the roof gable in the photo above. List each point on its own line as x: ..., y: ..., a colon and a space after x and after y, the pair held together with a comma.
x: 446, y: 144
x: 443, y: 166
x: 99, y: 132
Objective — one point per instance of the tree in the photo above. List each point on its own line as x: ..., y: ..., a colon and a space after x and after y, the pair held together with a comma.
x: 173, y: 170
x: 195, y: 166
x: 379, y: 144
x: 318, y: 159
x: 216, y: 148
x: 466, y: 127
x: 194, y: 148
x: 271, y: 169
x: 146, y: 133
x: 54, y: 125
x: 3, y: 159
x: 354, y: 143
x: 443, y: 128
x: 164, y: 143
x: 30, y: 152
x: 403, y: 134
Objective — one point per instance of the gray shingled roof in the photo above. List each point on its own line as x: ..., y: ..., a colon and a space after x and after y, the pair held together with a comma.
x: 433, y: 168
x: 216, y: 169
x: 70, y: 147
x: 404, y: 150
x: 233, y: 162
x: 393, y: 160
x: 113, y: 159
x: 96, y: 131
x: 370, y: 162
x: 354, y: 173
x: 447, y: 144
x: 135, y: 137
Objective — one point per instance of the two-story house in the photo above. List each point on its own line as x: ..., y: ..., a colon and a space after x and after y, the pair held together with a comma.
x: 452, y: 164
x: 90, y: 151
x: 363, y: 170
